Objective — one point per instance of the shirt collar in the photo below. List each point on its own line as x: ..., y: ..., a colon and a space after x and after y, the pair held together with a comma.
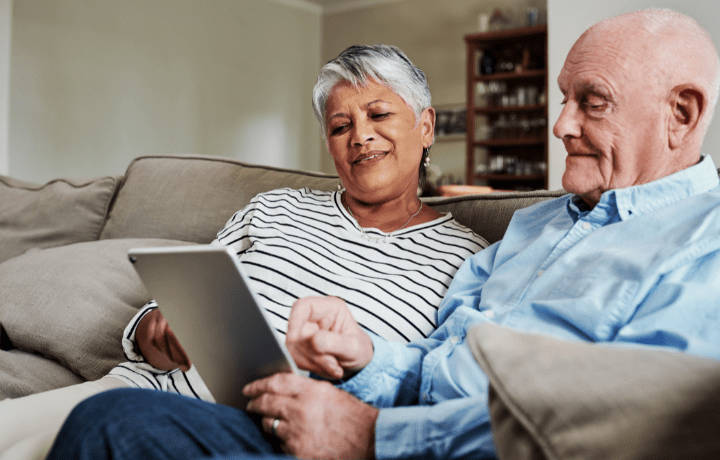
x: 645, y: 198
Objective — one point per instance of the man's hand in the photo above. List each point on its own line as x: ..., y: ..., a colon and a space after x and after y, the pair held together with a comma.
x: 158, y: 343
x: 316, y: 420
x: 325, y: 339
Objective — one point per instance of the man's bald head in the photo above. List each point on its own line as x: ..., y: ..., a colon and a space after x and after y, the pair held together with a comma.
x: 639, y: 91
x: 672, y: 47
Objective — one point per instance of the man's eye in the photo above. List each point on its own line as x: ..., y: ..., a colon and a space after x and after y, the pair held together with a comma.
x: 597, y: 107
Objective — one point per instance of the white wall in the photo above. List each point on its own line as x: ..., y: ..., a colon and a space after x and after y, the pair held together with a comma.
x: 568, y: 19
x: 95, y: 83
x: 5, y: 40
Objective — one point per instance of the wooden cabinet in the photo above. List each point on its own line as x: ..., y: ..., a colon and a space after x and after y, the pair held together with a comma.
x: 507, y: 140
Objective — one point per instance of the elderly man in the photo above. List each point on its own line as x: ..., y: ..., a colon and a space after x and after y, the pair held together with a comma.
x: 631, y: 256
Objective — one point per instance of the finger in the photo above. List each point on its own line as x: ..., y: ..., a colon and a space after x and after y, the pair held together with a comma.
x: 271, y: 425
x: 281, y: 383
x: 320, y: 310
x: 340, y: 345
x: 324, y: 364
x: 299, y: 318
x: 177, y: 353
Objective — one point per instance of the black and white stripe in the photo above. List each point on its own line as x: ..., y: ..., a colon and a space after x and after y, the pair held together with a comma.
x: 299, y: 243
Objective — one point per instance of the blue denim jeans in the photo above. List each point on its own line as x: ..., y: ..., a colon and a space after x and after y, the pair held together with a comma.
x: 137, y: 424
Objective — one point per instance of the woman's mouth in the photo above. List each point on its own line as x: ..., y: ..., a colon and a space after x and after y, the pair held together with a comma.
x: 370, y: 157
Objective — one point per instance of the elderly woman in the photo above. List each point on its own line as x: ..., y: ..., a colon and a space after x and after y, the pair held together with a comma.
x: 372, y: 242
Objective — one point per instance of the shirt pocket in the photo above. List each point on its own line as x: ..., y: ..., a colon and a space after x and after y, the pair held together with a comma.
x: 593, y: 307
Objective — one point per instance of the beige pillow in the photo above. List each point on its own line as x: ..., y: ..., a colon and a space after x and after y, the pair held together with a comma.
x: 55, y: 214
x: 193, y: 197
x: 23, y: 373
x: 557, y: 399
x: 72, y: 303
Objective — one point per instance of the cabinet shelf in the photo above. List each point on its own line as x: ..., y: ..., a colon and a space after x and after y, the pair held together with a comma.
x: 508, y: 35
x: 533, y: 73
x: 511, y: 177
x: 511, y: 142
x: 510, y: 109
x: 492, y: 62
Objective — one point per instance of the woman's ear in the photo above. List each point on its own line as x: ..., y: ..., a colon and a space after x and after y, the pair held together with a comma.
x: 687, y: 107
x: 427, y: 123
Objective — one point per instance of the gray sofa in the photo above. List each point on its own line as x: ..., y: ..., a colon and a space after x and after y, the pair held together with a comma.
x: 67, y: 292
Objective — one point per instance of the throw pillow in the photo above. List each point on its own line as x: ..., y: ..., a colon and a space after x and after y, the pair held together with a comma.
x: 55, y: 214
x: 556, y: 399
x: 72, y: 303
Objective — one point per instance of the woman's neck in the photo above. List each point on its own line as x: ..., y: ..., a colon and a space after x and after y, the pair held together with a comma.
x: 389, y: 216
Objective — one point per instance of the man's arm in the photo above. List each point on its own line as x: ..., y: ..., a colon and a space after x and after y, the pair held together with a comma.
x: 453, y: 429
x: 681, y: 310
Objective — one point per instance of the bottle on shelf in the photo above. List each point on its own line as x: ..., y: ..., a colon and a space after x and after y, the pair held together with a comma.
x: 507, y: 108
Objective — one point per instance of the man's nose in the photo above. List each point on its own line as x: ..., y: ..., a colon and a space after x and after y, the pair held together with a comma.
x: 568, y: 123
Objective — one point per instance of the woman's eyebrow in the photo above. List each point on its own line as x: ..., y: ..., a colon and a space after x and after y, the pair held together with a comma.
x: 376, y: 101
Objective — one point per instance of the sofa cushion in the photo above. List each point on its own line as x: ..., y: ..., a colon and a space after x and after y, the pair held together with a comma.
x: 193, y: 197
x: 72, y: 303
x: 488, y: 215
x: 23, y: 373
x: 55, y: 214
x: 555, y: 399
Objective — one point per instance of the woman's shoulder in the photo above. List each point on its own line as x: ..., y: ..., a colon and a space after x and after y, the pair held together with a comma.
x: 452, y: 231
x: 295, y: 194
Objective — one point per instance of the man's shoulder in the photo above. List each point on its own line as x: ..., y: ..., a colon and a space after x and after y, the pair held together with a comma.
x: 542, y: 208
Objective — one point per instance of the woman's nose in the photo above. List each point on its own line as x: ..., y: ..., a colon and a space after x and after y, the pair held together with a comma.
x: 362, y: 133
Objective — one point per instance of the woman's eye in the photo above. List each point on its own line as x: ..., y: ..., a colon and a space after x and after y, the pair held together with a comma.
x: 380, y: 116
x: 338, y: 130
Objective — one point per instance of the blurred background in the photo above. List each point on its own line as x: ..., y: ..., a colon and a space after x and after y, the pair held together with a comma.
x: 88, y: 85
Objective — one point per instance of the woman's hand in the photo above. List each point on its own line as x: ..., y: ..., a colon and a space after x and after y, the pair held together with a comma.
x: 325, y: 339
x: 158, y: 343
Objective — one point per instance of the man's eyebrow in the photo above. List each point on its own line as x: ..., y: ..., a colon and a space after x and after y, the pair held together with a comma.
x: 593, y: 87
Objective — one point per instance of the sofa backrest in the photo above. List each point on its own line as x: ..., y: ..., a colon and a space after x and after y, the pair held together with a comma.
x: 191, y: 197
x: 488, y: 215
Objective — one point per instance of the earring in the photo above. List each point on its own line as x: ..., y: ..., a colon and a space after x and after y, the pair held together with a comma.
x: 426, y: 155
x: 340, y: 185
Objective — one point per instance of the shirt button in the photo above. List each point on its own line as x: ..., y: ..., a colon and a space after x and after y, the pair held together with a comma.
x: 586, y: 225
x: 540, y: 272
x: 489, y: 313
x: 425, y: 397
x: 454, y: 339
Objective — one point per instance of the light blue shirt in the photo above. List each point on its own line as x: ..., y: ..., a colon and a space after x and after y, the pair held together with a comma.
x: 641, y: 268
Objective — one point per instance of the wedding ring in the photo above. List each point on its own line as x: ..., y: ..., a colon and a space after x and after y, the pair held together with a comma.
x: 274, y: 426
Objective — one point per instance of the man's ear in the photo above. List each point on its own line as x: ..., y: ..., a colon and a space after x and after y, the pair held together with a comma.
x: 427, y: 122
x: 687, y: 107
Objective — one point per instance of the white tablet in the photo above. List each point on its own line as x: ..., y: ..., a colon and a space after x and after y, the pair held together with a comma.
x: 210, y: 305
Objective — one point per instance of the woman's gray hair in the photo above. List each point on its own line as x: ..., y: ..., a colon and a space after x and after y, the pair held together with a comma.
x: 384, y: 63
